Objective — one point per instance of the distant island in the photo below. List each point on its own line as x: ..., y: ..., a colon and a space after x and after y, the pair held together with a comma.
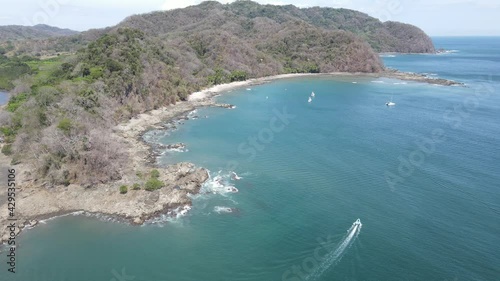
x: 72, y: 127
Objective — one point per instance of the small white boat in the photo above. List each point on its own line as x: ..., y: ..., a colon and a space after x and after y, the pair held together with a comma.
x: 356, y: 226
x: 390, y: 103
x: 313, y: 94
x: 309, y: 100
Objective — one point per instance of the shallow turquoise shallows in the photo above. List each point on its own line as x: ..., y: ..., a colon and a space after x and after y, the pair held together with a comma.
x: 422, y: 176
x: 3, y: 97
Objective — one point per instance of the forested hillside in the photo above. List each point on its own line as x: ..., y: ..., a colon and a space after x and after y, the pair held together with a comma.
x: 62, y: 110
x: 40, y: 31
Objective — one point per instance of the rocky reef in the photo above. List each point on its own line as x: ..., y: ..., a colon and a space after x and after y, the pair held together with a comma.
x: 136, y: 206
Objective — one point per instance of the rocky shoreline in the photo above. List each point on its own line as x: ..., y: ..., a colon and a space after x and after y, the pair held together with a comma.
x: 416, y: 77
x: 36, y: 203
x: 138, y: 206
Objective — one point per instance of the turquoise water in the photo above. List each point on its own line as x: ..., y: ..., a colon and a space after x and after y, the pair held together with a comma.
x: 307, y: 178
x: 4, y: 97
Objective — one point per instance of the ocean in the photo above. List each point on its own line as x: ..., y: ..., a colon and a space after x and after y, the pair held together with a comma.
x: 4, y: 97
x: 422, y: 176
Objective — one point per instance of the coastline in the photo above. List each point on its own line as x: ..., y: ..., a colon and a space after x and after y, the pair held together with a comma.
x: 138, y: 206
x: 7, y: 95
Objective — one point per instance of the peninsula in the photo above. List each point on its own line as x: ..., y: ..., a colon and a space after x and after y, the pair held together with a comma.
x: 80, y: 102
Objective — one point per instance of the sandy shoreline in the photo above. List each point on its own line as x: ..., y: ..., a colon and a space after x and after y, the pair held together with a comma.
x: 138, y: 206
x: 394, y: 74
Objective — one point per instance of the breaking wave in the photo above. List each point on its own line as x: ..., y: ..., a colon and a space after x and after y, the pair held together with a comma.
x: 223, y: 209
x: 221, y: 184
x: 171, y: 216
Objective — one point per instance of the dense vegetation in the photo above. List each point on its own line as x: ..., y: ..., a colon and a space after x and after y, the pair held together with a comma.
x: 11, y: 69
x: 62, y: 110
x: 59, y: 117
x: 246, y: 19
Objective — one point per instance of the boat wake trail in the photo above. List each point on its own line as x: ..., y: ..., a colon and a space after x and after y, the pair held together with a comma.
x: 335, y: 256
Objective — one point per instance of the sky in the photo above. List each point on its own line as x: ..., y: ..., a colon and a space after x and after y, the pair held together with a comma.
x: 436, y: 17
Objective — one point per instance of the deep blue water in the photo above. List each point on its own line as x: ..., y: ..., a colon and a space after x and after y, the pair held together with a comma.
x: 308, y: 177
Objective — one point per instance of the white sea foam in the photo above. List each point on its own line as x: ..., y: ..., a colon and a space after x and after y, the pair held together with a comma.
x: 222, y: 209
x: 235, y: 176
x: 177, y: 149
x: 77, y: 213
x: 172, y: 216
x: 99, y: 216
x: 429, y: 74
x: 154, y: 136
x: 220, y: 184
x: 193, y: 114
x: 231, y: 189
x: 378, y: 81
x: 447, y: 52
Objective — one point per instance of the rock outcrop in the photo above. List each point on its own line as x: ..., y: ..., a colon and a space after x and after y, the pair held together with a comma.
x: 135, y: 206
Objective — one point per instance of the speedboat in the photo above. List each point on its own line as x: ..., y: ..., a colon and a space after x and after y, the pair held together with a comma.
x: 357, y: 224
x: 390, y: 103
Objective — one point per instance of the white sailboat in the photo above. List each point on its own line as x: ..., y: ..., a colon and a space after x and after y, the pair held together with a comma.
x: 309, y: 100
x: 313, y: 94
